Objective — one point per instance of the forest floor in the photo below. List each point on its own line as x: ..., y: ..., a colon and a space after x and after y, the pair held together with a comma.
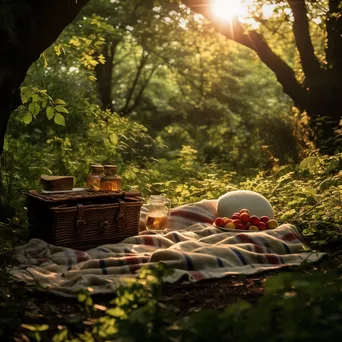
x: 43, y: 308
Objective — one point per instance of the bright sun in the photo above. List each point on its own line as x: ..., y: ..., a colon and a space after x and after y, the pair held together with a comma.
x: 227, y: 9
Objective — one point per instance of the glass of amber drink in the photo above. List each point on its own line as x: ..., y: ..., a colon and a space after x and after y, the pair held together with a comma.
x: 159, y: 209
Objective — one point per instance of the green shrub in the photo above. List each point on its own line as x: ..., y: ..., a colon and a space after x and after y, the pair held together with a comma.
x: 294, y: 307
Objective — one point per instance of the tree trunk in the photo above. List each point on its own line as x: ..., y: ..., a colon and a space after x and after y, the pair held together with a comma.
x: 104, y: 74
x: 34, y: 26
x: 324, y: 107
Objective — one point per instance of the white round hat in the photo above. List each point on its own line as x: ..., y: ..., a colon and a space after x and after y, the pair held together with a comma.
x: 234, y: 201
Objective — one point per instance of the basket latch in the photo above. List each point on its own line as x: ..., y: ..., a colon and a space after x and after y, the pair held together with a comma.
x: 121, y: 214
x: 81, y: 222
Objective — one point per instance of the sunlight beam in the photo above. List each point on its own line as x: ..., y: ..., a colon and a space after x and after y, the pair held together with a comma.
x: 227, y: 9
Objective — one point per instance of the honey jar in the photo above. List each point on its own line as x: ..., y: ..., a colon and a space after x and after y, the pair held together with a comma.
x: 111, y: 180
x: 94, y: 177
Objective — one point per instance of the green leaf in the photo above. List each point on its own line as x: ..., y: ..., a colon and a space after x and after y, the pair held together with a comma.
x: 24, y: 94
x: 81, y: 297
x: 34, y: 108
x: 310, y: 190
x: 59, y: 119
x: 288, y: 214
x: 61, y: 109
x: 59, y: 102
x: 61, y: 336
x: 113, y: 139
x: 24, y: 98
x: 42, y: 327
x: 27, y: 118
x: 308, y: 163
x: 116, y: 312
x: 43, y: 104
x: 35, y: 98
x: 50, y: 112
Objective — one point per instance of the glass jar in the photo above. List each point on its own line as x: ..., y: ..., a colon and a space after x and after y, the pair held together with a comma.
x: 111, y: 181
x: 94, y: 177
x: 158, y: 212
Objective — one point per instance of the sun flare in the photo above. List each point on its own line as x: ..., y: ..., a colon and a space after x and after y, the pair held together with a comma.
x: 228, y: 9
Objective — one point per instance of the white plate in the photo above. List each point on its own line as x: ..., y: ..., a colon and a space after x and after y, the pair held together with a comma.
x: 61, y: 191
x: 236, y: 230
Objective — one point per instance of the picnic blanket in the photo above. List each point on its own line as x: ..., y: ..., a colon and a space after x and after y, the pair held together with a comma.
x: 193, y: 248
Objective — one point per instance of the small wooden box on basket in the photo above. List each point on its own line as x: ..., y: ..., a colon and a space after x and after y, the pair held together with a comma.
x: 84, y: 219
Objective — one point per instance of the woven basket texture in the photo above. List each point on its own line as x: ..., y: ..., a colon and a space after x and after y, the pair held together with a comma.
x: 84, y: 220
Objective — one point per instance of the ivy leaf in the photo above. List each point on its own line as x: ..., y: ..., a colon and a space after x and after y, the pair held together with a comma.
x: 113, y: 139
x: 61, y: 109
x: 50, y: 112
x: 59, y: 102
x: 59, y: 119
x: 34, y: 108
x: 27, y: 118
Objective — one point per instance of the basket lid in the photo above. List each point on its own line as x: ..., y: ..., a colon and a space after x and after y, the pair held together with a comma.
x: 80, y: 195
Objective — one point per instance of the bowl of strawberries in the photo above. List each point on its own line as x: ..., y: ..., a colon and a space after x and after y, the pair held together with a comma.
x: 243, y: 220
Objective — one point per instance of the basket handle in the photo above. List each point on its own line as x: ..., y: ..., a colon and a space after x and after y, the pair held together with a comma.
x: 80, y: 222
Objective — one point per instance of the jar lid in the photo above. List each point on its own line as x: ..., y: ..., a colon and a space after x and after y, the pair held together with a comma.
x: 96, y: 166
x: 110, y: 166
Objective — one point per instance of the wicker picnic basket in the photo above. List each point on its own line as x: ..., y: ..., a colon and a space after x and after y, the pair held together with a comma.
x: 84, y: 219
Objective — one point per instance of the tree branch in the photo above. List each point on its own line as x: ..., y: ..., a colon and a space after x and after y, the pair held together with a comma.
x: 141, y: 66
x: 141, y: 91
x: 310, y: 63
x: 253, y: 40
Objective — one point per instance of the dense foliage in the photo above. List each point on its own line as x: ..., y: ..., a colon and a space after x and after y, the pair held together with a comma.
x: 143, y: 90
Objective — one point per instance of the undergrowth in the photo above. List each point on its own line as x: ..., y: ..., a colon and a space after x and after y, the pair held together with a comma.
x: 308, y: 195
x: 294, y: 307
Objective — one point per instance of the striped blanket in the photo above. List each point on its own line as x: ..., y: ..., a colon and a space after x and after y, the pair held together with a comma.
x: 194, y: 248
